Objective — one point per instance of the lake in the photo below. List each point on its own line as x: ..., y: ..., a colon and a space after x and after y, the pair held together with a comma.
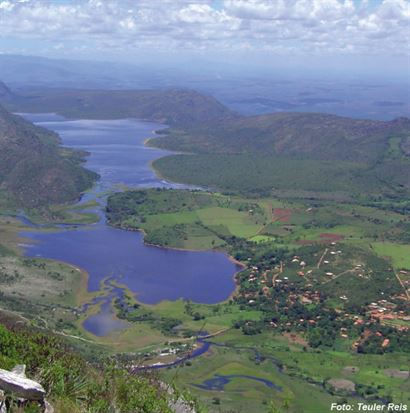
x: 118, y: 154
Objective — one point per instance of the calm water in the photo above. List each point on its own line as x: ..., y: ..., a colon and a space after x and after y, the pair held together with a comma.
x: 118, y: 154
x: 219, y: 381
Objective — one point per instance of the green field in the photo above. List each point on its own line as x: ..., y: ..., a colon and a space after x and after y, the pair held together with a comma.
x: 300, y: 377
x: 186, y: 219
x: 399, y: 254
x: 257, y: 232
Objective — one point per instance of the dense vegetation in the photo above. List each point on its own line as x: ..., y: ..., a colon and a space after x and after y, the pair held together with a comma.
x: 326, y: 265
x: 252, y: 232
x: 322, y: 274
x: 304, y: 135
x: 71, y: 382
x: 261, y: 175
x: 34, y: 170
x: 300, y: 153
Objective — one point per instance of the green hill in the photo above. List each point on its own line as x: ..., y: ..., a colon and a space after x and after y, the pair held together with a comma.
x: 34, y: 170
x: 173, y: 106
x: 286, y: 153
x: 301, y: 135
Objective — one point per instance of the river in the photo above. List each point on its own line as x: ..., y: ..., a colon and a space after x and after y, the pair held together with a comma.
x: 119, y: 156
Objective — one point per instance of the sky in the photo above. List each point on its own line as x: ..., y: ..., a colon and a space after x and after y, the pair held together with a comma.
x: 370, y: 36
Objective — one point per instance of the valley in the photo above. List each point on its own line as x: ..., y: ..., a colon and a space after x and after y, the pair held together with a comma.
x: 295, y: 270
x: 204, y: 206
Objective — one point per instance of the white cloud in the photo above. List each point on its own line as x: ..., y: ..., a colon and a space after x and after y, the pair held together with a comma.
x: 286, y: 26
x: 6, y: 6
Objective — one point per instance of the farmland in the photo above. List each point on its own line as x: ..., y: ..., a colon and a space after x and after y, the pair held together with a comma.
x: 320, y: 309
x: 317, y: 280
x: 181, y: 218
x: 299, y: 373
x: 339, y: 248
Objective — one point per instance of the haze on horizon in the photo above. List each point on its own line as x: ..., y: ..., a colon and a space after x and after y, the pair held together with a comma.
x: 366, y: 39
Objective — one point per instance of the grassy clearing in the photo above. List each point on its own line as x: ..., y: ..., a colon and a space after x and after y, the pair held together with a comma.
x: 301, y: 369
x: 82, y: 213
x: 216, y: 317
x: 186, y: 219
x: 399, y: 254
x: 202, y: 221
x: 261, y: 238
x: 46, y: 292
x: 243, y: 394
x: 239, y: 224
x: 135, y: 338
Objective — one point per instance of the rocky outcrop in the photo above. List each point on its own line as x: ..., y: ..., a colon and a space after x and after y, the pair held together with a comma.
x: 177, y: 403
x: 2, y: 402
x: 14, y: 385
x: 342, y: 386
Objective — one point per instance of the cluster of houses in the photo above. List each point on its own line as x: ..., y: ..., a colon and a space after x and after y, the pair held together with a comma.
x: 309, y: 297
x: 367, y: 333
x: 380, y: 311
x: 384, y: 311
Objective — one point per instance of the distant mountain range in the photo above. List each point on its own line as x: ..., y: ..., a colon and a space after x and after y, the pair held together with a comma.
x: 199, y: 123
x: 41, y: 71
x: 34, y: 170
x: 169, y: 106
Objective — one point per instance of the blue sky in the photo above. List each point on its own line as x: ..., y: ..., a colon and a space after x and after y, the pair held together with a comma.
x: 368, y: 35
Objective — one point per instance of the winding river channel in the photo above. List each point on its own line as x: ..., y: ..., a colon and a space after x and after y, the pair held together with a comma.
x: 118, y: 155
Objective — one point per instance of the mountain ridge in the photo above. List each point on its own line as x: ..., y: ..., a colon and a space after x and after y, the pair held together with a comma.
x: 34, y: 170
x: 307, y: 135
x: 169, y: 106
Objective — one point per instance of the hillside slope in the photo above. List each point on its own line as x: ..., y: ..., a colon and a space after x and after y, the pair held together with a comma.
x: 76, y: 384
x: 303, y: 135
x: 34, y: 170
x: 294, y: 153
x: 171, y: 106
x: 5, y: 92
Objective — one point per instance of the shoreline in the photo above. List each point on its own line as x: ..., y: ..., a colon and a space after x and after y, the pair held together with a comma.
x: 81, y: 293
x: 230, y: 258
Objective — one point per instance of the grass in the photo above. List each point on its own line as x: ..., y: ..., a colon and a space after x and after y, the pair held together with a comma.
x: 261, y: 238
x: 136, y: 337
x: 50, y: 282
x: 76, y: 214
x: 399, y: 254
x: 186, y: 219
x: 217, y: 317
x: 239, y: 224
x: 44, y: 291
x: 194, y: 220
x: 245, y: 395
